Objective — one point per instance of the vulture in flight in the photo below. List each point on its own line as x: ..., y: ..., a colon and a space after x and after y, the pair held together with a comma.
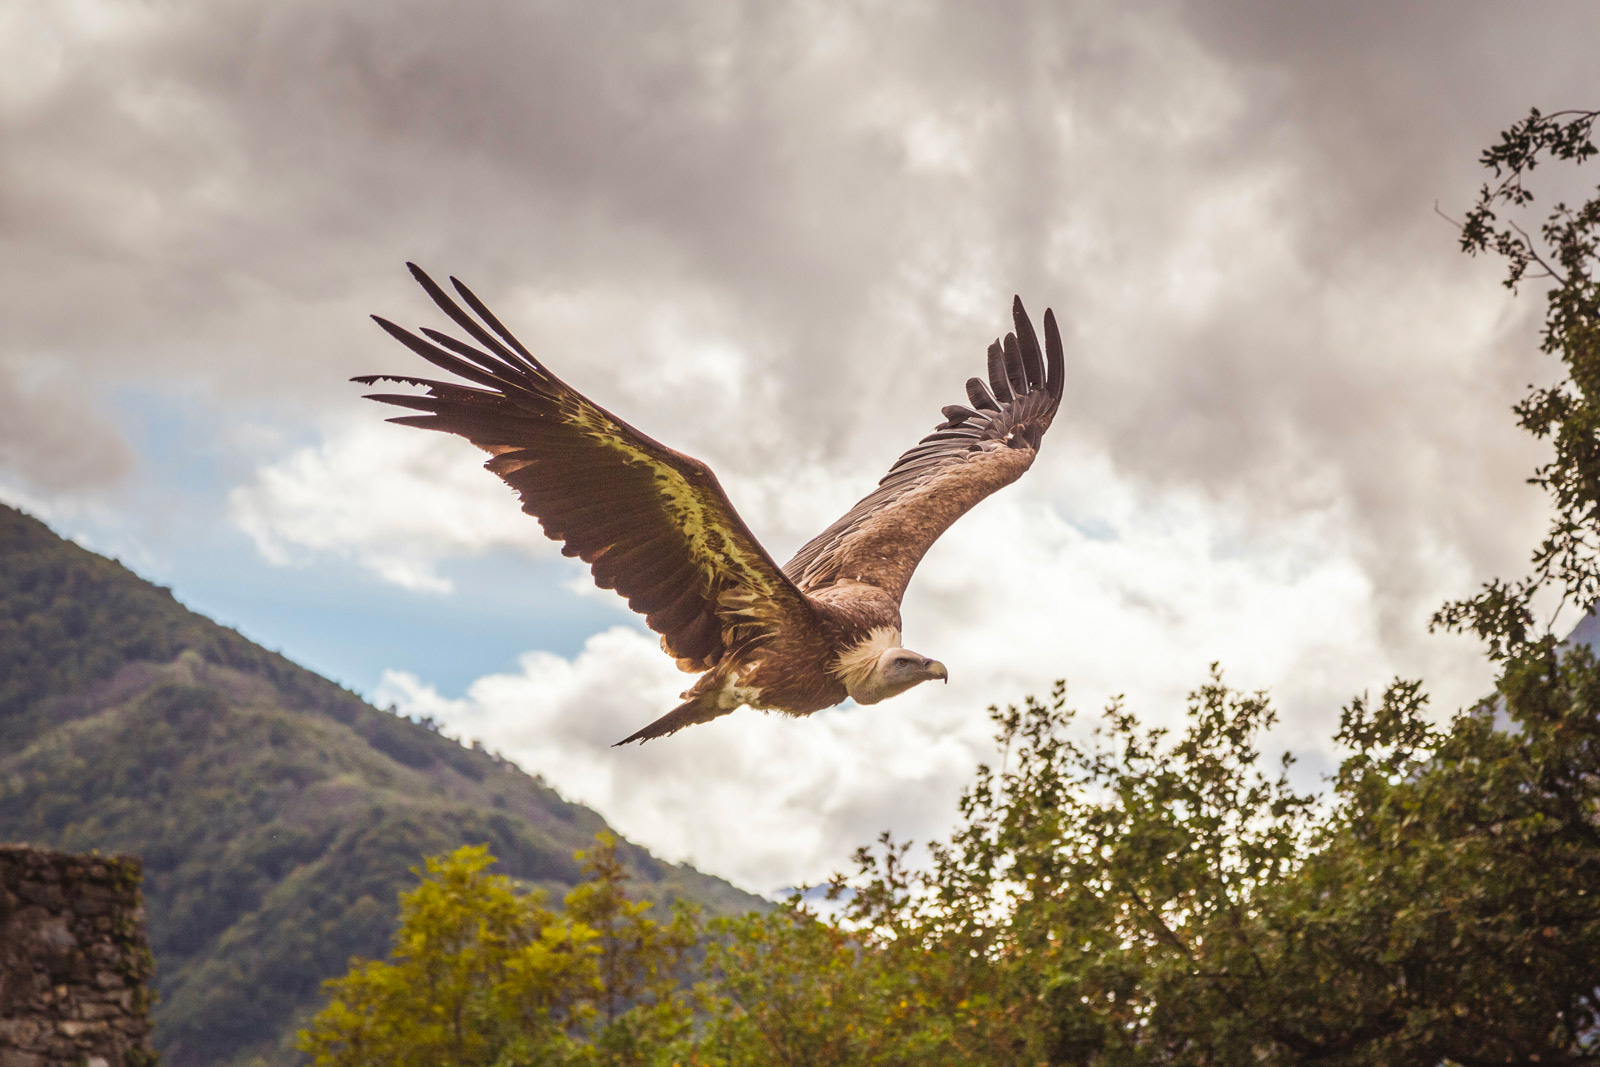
x: 654, y: 524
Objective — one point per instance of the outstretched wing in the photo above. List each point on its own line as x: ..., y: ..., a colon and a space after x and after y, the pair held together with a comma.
x: 652, y: 523
x: 975, y: 451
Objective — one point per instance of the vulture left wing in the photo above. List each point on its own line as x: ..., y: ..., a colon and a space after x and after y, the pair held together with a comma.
x: 651, y: 522
x: 974, y: 452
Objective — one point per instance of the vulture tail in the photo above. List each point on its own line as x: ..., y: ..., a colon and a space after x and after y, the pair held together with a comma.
x: 702, y: 708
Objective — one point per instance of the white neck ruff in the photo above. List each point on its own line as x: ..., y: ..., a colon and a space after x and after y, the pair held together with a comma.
x: 856, y: 665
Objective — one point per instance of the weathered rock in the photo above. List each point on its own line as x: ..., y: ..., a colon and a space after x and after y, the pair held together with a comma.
x: 74, y: 966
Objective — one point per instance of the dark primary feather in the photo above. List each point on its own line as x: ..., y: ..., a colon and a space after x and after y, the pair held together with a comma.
x: 980, y: 396
x: 615, y: 497
x: 972, y: 453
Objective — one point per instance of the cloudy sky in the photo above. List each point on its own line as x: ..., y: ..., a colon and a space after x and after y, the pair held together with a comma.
x: 778, y: 237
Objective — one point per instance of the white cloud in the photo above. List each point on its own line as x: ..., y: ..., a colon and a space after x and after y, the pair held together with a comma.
x: 393, y: 499
x: 763, y: 800
x: 1011, y: 599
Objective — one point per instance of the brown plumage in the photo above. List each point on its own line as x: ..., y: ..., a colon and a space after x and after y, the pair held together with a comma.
x: 654, y: 525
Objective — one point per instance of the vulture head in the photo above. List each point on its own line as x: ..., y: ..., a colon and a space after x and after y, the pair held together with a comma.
x: 893, y: 672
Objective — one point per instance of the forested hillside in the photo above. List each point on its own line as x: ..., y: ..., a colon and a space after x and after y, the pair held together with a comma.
x: 277, y: 814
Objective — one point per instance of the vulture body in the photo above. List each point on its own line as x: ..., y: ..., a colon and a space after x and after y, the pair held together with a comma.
x: 654, y: 524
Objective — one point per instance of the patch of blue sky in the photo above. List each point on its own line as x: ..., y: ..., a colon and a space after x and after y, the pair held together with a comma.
x: 1092, y: 527
x: 323, y: 612
x: 188, y: 442
x: 344, y: 622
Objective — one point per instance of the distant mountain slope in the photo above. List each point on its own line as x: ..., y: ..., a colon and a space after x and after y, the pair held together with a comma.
x: 277, y: 813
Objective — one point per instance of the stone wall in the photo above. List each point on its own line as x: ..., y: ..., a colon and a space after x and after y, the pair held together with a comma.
x: 74, y: 966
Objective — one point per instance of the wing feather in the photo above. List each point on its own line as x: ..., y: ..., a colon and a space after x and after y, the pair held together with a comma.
x: 980, y: 396
x: 1016, y: 372
x: 653, y: 524
x: 998, y: 378
x: 976, y: 451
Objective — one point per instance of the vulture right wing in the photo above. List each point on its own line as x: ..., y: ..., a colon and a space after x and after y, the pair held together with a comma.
x: 975, y: 451
x: 652, y: 523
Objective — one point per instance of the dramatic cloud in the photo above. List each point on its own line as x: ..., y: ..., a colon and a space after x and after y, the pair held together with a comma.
x: 1011, y: 599
x: 848, y: 196
x: 391, y: 501
x: 51, y: 437
x: 777, y: 237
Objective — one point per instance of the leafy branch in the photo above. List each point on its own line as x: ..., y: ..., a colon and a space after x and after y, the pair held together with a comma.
x: 1566, y: 564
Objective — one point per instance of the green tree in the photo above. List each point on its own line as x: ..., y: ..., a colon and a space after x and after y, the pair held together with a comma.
x: 640, y: 1005
x: 481, y: 974
x: 1130, y: 897
x: 1566, y: 565
x: 1134, y: 898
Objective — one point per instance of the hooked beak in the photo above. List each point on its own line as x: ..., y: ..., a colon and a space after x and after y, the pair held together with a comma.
x: 936, y: 669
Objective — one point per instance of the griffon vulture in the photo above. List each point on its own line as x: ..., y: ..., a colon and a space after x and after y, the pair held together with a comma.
x: 654, y: 525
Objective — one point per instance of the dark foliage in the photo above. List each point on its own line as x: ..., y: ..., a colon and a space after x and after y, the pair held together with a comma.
x: 1566, y: 566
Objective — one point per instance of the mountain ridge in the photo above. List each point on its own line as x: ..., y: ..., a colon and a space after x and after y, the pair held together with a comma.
x: 277, y: 812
